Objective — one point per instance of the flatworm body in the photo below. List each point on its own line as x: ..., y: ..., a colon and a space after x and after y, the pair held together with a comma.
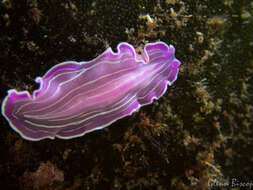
x: 75, y: 98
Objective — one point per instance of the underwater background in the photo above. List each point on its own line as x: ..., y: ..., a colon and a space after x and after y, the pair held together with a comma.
x: 197, y: 136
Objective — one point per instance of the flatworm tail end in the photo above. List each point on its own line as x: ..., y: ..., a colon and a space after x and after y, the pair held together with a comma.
x: 7, y: 110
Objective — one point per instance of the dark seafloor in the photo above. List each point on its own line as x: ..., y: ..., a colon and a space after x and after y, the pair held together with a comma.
x: 197, y: 136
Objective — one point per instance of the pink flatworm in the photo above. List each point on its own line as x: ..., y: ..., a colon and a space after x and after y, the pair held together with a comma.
x: 75, y: 98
